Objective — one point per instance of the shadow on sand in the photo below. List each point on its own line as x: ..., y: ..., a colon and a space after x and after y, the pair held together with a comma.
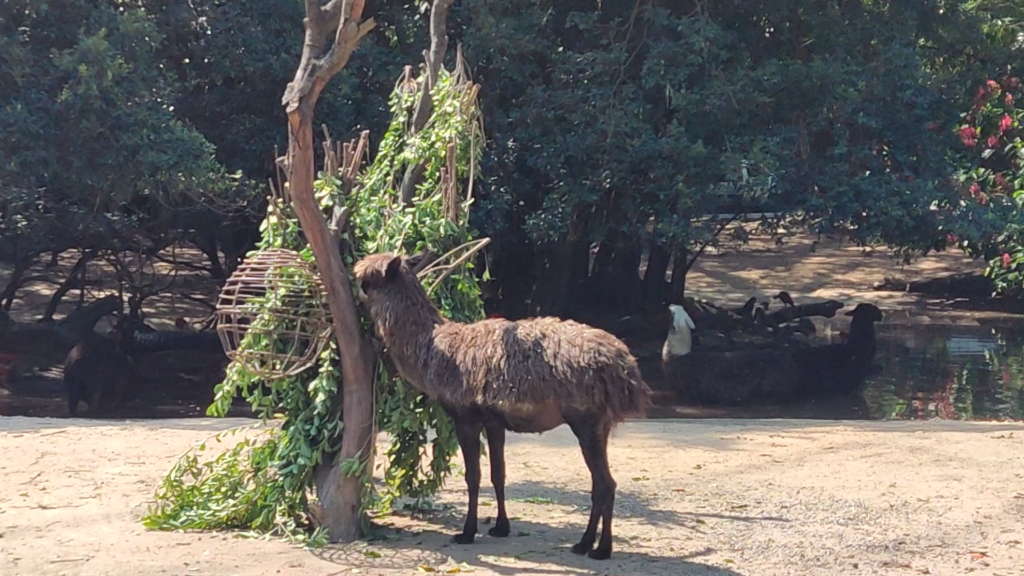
x: 532, y: 549
x: 538, y: 549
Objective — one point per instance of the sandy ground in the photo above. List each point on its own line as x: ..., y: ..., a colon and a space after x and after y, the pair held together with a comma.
x: 812, y: 270
x: 720, y: 497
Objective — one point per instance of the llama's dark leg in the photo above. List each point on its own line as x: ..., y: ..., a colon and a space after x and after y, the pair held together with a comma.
x: 593, y: 439
x: 604, y: 546
x: 468, y: 433
x: 74, y: 391
x: 496, y: 448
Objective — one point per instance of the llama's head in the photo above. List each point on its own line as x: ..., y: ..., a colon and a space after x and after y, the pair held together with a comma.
x: 680, y: 339
x: 389, y: 287
x: 385, y: 270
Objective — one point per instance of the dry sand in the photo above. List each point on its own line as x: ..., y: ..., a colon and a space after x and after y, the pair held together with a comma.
x: 714, y: 497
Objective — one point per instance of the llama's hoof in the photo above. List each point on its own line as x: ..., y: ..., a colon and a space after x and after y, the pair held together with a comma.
x: 581, y: 549
x: 463, y: 538
x: 500, y: 530
x: 599, y: 554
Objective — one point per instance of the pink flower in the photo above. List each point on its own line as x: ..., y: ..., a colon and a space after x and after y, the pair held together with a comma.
x: 969, y: 136
x: 1001, y: 182
x: 1009, y: 99
x: 975, y: 190
x: 992, y: 85
x: 1005, y: 124
x: 1006, y: 260
x: 1013, y: 82
x: 993, y: 141
x: 951, y: 238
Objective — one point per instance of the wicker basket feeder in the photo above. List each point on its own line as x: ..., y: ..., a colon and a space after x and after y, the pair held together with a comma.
x: 275, y: 301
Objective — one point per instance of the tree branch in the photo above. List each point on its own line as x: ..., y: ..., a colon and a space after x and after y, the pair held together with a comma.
x: 705, y: 245
x: 318, y: 63
x: 434, y: 59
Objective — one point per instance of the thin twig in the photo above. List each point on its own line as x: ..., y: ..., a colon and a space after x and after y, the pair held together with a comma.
x: 451, y: 267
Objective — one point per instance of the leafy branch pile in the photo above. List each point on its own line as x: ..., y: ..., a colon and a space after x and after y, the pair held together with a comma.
x: 264, y: 484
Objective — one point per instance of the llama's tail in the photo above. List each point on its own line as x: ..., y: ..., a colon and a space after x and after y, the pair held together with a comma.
x: 628, y: 394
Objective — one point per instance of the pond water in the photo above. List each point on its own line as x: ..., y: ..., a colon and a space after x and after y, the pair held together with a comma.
x: 949, y: 371
x: 958, y: 372
x: 922, y: 371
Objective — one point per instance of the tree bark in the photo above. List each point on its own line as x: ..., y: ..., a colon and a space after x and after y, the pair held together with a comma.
x: 655, y: 287
x: 677, y: 287
x: 340, y: 496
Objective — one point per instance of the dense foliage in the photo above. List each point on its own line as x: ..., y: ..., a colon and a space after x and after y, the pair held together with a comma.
x: 992, y: 183
x: 611, y: 126
x: 616, y: 125
x: 93, y: 152
x: 262, y: 484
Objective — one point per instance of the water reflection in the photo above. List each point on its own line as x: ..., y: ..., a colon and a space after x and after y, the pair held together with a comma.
x: 949, y: 372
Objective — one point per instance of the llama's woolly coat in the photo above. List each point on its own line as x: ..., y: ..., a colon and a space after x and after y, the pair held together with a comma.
x: 519, y: 370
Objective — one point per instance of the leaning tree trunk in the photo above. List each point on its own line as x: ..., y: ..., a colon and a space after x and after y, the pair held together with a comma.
x: 332, y: 33
x: 655, y: 287
x: 677, y: 287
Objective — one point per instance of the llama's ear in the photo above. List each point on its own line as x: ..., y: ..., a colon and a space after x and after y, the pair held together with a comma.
x: 393, y: 269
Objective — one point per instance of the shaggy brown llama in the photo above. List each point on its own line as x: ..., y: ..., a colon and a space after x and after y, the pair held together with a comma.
x: 495, y: 375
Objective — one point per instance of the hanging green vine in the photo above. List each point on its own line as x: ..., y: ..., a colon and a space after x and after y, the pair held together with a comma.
x: 264, y: 484
x: 381, y: 224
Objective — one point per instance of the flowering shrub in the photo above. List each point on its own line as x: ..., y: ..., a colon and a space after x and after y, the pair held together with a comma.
x: 993, y: 137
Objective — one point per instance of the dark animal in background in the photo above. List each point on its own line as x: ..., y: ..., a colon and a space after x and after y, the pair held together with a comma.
x: 748, y: 309
x: 496, y: 375
x: 785, y: 298
x: 97, y: 371
x: 840, y: 368
x: 783, y: 373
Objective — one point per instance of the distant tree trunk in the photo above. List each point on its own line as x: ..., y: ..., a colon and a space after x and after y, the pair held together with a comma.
x: 17, y: 277
x: 515, y: 270
x: 206, y: 241
x: 332, y: 33
x: 553, y: 276
x: 580, y: 296
x: 655, y: 288
x: 624, y: 284
x: 602, y: 276
x: 677, y: 288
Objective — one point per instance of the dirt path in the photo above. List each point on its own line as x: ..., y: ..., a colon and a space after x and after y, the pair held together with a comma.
x: 714, y: 497
x: 817, y: 270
